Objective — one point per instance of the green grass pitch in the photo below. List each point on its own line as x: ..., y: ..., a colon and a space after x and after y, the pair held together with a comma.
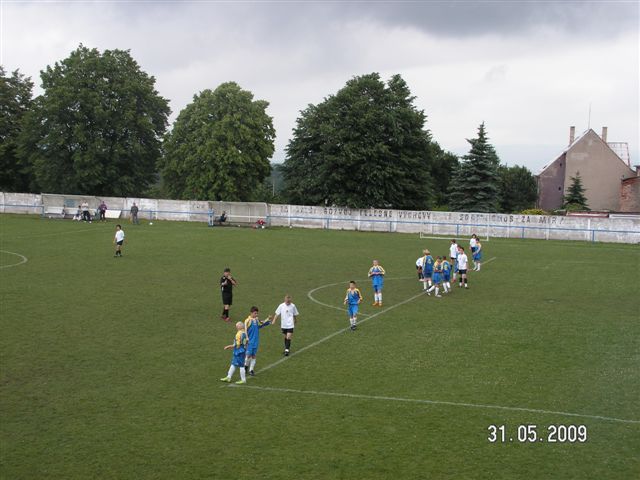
x: 110, y: 367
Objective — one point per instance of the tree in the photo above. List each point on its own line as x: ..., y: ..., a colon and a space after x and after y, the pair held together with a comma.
x: 97, y: 127
x: 15, y: 102
x: 575, y: 198
x: 220, y: 146
x: 363, y: 147
x: 475, y: 188
x: 443, y: 167
x: 518, y: 189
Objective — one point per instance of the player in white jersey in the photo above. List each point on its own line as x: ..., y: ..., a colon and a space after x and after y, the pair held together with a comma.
x: 473, y: 245
x: 118, y: 240
x: 453, y: 254
x: 419, y: 265
x: 463, y: 264
x: 288, y: 314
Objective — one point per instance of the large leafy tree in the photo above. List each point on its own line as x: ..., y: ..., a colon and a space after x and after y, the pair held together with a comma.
x: 443, y: 167
x: 575, y: 198
x: 97, y: 128
x: 219, y: 147
x: 365, y: 146
x: 15, y: 102
x: 518, y: 189
x: 476, y: 184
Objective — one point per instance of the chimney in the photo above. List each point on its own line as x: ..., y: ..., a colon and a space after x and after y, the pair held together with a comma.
x: 572, y: 134
x: 604, y: 134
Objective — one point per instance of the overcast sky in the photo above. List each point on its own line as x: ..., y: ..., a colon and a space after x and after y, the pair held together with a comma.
x: 527, y: 69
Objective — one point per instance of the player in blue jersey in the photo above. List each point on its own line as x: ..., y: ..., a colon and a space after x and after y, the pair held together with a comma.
x: 437, y: 277
x: 427, y: 268
x: 252, y: 325
x: 477, y: 256
x: 352, y: 300
x: 376, y: 273
x: 446, y: 274
x: 239, y: 346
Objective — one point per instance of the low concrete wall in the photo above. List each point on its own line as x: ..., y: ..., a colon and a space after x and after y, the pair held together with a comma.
x: 453, y: 224
x: 458, y: 224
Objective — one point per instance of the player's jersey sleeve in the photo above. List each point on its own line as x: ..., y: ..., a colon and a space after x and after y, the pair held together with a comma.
x: 382, y: 271
x: 279, y: 310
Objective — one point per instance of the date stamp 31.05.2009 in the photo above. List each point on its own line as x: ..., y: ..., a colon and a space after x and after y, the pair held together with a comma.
x: 553, y: 433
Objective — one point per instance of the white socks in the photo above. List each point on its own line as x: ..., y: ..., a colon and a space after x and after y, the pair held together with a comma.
x: 253, y: 364
x: 232, y: 370
x: 377, y: 297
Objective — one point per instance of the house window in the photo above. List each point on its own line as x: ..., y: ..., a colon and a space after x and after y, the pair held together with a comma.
x: 559, y: 188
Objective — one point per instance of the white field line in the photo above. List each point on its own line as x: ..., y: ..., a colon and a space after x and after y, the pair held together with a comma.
x: 490, y: 260
x: 338, y: 332
x: 23, y: 259
x: 434, y: 402
x: 342, y: 309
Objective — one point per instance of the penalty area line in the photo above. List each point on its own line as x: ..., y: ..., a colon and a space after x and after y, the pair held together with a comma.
x: 434, y: 402
x: 338, y: 332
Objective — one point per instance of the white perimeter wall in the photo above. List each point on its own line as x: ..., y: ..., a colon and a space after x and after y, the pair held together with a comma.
x: 454, y: 224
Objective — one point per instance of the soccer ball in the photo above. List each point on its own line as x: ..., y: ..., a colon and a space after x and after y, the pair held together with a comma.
x: 150, y: 223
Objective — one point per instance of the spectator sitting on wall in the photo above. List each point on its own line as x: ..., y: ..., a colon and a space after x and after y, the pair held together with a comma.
x: 259, y: 224
x: 223, y: 218
x: 78, y: 215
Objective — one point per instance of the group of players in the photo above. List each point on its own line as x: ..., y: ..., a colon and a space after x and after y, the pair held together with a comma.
x: 434, y: 274
x: 437, y: 273
x: 247, y: 338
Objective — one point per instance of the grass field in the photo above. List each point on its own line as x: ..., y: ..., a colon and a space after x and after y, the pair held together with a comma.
x: 110, y: 367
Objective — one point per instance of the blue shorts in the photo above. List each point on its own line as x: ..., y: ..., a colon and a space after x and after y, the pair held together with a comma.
x: 377, y: 285
x: 238, y: 359
x: 252, y: 350
x: 477, y: 256
x: 352, y: 310
x: 447, y: 276
x: 428, y: 273
x: 437, y: 277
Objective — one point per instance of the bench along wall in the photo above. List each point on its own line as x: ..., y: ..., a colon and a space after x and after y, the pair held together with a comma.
x: 621, y: 229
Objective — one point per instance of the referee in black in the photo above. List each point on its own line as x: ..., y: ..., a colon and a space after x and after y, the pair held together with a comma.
x: 227, y: 282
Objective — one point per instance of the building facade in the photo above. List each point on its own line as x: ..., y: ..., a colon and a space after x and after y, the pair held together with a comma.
x: 601, y: 167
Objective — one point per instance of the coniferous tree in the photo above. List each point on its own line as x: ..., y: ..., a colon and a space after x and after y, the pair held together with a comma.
x: 575, y: 198
x: 475, y: 187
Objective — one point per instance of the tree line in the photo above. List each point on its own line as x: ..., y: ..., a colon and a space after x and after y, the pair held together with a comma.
x: 101, y: 128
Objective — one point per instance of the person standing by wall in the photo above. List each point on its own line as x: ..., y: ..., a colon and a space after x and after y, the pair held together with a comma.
x: 102, y: 210
x: 134, y: 214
